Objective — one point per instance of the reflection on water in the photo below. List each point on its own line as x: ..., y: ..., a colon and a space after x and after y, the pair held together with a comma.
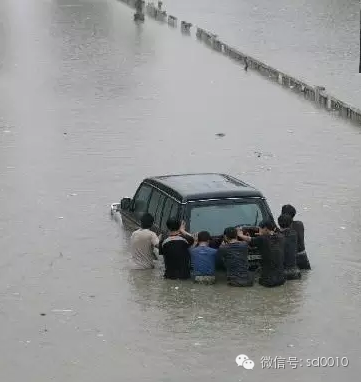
x: 225, y: 308
x: 90, y: 104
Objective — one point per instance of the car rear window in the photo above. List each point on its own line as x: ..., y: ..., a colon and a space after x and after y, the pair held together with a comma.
x: 214, y: 218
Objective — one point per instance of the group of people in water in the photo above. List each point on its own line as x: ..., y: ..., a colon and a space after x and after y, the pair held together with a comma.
x: 187, y: 256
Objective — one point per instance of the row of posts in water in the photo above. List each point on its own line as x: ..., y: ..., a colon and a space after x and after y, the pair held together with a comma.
x: 316, y: 94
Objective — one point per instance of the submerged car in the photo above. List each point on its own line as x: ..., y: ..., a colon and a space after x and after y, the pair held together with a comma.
x: 205, y: 201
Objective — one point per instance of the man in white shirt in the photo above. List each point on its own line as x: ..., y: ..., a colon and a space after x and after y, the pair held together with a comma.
x: 142, y: 242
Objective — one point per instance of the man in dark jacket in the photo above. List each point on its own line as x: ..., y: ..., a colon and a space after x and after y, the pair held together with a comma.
x: 235, y: 257
x: 297, y: 225
x: 175, y: 251
x: 292, y: 272
x: 271, y: 246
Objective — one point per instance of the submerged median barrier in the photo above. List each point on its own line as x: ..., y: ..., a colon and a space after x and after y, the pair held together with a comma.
x: 315, y: 94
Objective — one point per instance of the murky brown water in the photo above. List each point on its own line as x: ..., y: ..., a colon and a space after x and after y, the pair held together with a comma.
x: 136, y: 101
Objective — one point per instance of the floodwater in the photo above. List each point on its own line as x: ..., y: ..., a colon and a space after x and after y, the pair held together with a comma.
x: 90, y: 104
x: 318, y: 41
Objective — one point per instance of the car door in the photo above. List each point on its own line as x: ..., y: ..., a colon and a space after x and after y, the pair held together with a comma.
x: 139, y: 206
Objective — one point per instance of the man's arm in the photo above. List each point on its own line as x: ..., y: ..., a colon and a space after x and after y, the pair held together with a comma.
x: 242, y: 236
x: 186, y: 235
x: 302, y: 228
x: 156, y: 240
x: 245, y: 238
x: 160, y: 246
x: 257, y: 241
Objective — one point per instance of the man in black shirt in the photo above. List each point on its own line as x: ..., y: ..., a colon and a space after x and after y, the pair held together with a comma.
x: 271, y: 246
x: 235, y: 257
x: 175, y: 251
x: 292, y: 272
x: 297, y: 225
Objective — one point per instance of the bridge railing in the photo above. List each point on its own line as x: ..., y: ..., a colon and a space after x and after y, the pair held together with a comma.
x: 316, y: 94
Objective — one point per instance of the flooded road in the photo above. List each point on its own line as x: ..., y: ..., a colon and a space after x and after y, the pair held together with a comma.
x: 89, y: 105
x: 318, y: 41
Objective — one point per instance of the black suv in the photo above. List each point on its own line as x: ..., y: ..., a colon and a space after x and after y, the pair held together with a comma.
x: 205, y: 201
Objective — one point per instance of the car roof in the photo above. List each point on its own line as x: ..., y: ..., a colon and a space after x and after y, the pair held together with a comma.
x: 198, y: 186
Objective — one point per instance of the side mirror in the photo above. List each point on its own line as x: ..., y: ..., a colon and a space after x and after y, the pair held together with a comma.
x: 125, y: 204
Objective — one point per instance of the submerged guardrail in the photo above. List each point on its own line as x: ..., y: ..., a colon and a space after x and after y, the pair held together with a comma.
x: 316, y: 94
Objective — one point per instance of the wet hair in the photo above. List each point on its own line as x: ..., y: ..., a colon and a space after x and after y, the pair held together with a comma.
x: 289, y: 210
x: 267, y: 224
x: 230, y: 233
x: 173, y: 224
x: 204, y: 236
x: 285, y: 221
x: 146, y: 221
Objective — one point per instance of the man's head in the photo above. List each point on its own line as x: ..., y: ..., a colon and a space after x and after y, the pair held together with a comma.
x: 230, y: 233
x: 266, y: 227
x: 204, y: 237
x: 146, y: 221
x: 289, y: 210
x: 173, y: 224
x: 285, y: 221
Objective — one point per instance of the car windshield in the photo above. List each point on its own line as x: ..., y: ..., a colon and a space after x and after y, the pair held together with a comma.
x: 214, y: 218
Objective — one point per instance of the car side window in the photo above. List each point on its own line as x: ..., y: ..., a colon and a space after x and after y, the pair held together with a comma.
x: 174, y: 210
x: 155, y: 200
x: 158, y: 212
x: 141, y: 200
x: 170, y: 211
